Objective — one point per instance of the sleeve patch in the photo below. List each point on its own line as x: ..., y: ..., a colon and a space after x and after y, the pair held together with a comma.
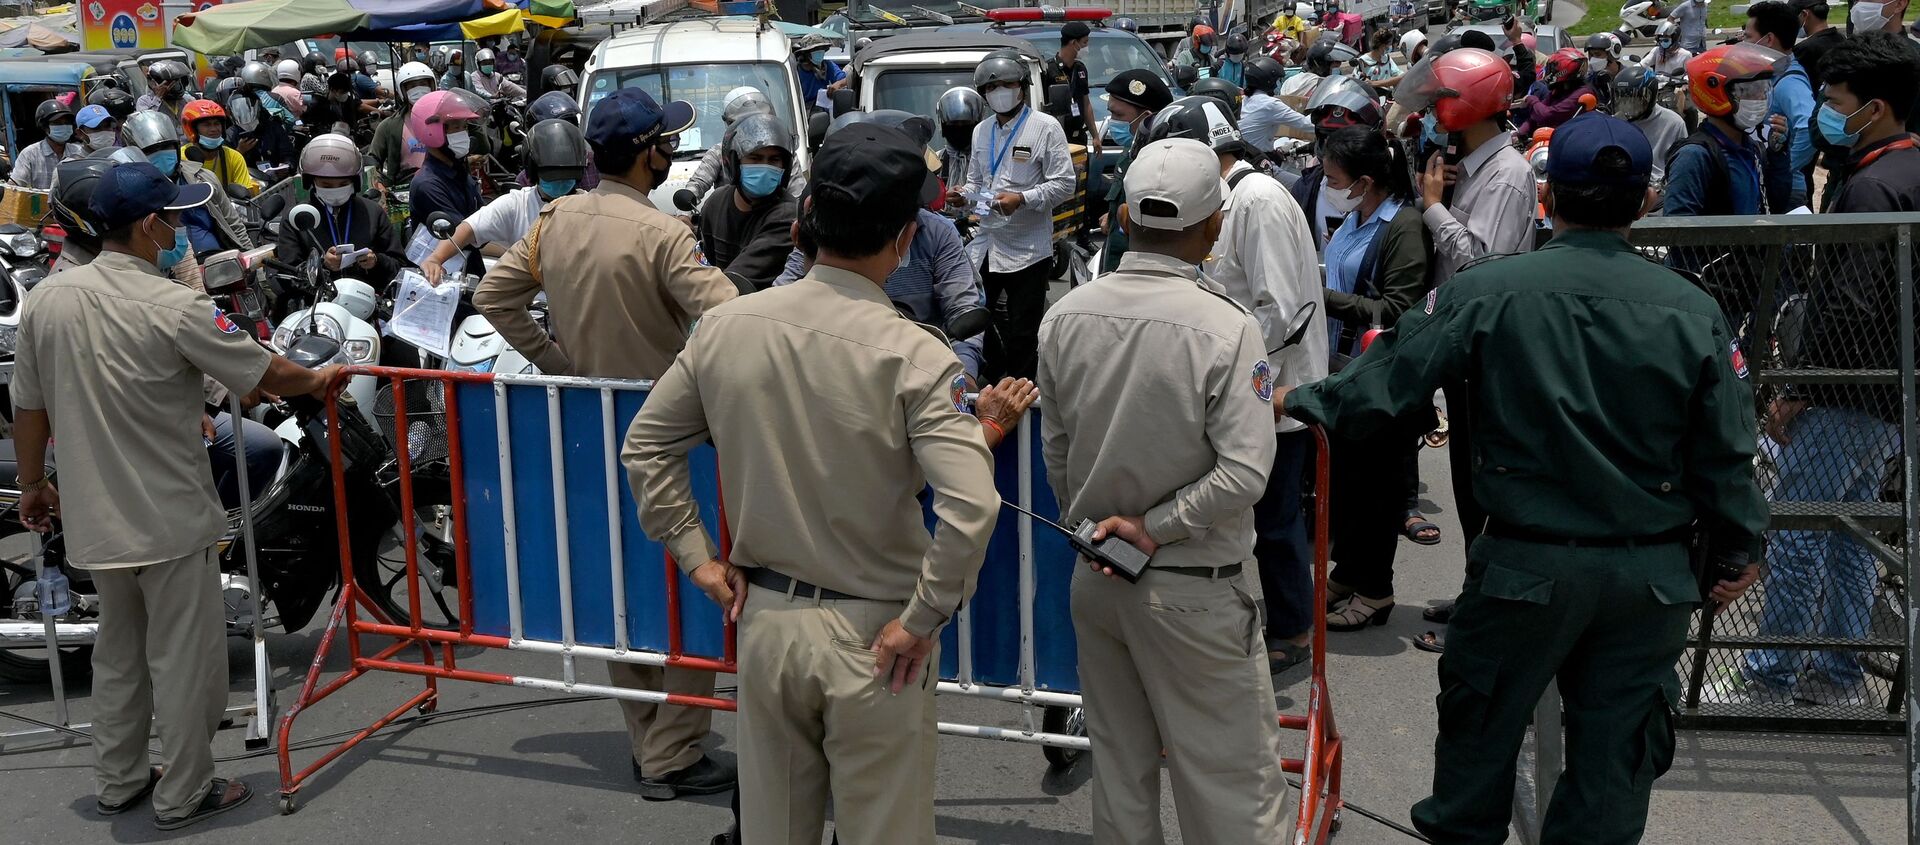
x: 1739, y: 359
x: 958, y: 390
x: 226, y: 325
x: 1263, y: 381
x: 1432, y: 295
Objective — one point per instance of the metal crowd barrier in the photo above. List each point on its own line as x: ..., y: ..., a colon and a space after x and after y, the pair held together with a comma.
x: 549, y: 558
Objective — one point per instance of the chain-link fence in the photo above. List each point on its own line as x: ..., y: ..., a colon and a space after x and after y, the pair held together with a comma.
x: 1823, y: 307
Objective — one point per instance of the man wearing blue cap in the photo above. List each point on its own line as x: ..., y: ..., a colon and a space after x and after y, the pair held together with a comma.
x: 623, y: 291
x: 1625, y: 432
x: 110, y: 361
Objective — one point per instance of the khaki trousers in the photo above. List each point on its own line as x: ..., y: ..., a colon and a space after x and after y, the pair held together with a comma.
x: 160, y: 666
x: 1178, y: 662
x: 666, y: 737
x: 814, y: 722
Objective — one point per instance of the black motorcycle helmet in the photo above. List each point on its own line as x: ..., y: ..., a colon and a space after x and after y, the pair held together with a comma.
x: 1197, y: 118
x: 1330, y: 52
x: 118, y: 103
x: 1236, y: 44
x: 958, y: 111
x: 313, y: 62
x: 554, y: 105
x: 1264, y: 74
x: 49, y: 111
x: 558, y: 78
x: 1226, y: 92
x: 1184, y: 76
x: 73, y: 184
x: 556, y: 149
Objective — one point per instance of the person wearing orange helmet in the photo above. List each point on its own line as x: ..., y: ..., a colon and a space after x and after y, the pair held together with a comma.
x: 1197, y: 51
x: 204, y: 125
x: 1492, y: 207
x: 1717, y: 169
x: 1565, y: 74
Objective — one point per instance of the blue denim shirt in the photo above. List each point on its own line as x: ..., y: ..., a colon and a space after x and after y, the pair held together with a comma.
x: 1793, y: 96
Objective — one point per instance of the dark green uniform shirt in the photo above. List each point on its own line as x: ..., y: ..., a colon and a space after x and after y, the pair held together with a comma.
x: 1607, y: 397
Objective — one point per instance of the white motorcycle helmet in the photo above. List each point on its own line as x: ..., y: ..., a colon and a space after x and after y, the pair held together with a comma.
x: 410, y: 73
x: 356, y: 296
x: 288, y: 70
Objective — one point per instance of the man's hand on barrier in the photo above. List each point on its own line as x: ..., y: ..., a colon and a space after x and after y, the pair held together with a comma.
x: 1280, y: 401
x: 725, y: 584
x: 1730, y: 591
x: 1780, y: 416
x: 901, y: 655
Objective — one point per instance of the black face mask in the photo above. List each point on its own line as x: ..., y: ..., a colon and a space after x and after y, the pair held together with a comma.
x: 659, y: 175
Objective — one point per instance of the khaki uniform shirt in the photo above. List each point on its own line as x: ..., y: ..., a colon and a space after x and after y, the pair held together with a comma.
x: 621, y: 282
x: 831, y: 413
x: 1159, y: 402
x: 114, y: 353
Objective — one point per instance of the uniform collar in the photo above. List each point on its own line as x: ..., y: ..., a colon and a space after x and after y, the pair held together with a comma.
x: 850, y: 283
x: 1589, y: 239
x: 127, y: 263
x: 1153, y: 262
x: 615, y: 186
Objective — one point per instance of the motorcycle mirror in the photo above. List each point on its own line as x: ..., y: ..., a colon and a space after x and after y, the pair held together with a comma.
x: 683, y: 199
x: 312, y: 350
x: 238, y: 192
x: 845, y: 100
x: 817, y: 129
x: 441, y: 224
x: 1297, y: 327
x: 304, y: 216
x: 966, y: 324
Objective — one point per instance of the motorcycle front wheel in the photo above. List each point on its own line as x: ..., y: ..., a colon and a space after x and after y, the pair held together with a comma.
x: 385, y: 578
x: 30, y: 666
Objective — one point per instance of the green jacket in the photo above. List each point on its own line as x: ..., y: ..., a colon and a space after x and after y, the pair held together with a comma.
x: 1607, y: 400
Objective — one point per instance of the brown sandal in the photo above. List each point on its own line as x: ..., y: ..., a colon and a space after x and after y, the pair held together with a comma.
x: 1359, y: 612
x: 1438, y: 437
x: 225, y: 795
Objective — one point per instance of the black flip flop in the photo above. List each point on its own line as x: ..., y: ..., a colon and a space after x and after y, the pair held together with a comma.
x: 1439, y: 614
x: 1413, y: 524
x: 1430, y: 642
x: 1291, y: 656
x: 212, y: 805
x: 153, y: 780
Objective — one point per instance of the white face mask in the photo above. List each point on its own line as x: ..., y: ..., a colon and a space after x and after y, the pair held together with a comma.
x: 1750, y: 113
x: 334, y: 197
x: 1596, y: 64
x: 1338, y: 199
x: 415, y: 93
x: 1867, y: 17
x: 1003, y: 100
x: 458, y: 144
x: 100, y: 140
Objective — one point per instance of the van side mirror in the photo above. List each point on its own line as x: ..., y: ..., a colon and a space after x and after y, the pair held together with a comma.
x: 1059, y: 100
x: 845, y: 100
x: 817, y: 125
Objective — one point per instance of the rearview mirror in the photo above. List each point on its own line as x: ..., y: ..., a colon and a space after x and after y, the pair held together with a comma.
x: 441, y: 224
x: 683, y: 199
x: 1297, y: 327
x: 1059, y: 100
x: 817, y: 125
x: 845, y: 100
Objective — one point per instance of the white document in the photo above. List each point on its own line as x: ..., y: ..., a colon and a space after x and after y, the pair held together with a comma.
x: 423, y: 314
x: 421, y: 248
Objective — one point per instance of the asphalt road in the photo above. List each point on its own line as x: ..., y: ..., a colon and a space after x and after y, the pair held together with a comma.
x: 558, y: 773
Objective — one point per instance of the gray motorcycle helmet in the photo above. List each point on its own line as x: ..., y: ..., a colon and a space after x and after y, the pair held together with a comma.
x: 1347, y: 93
x: 256, y: 74
x: 556, y: 149
x: 147, y: 128
x: 747, y: 102
x: 958, y: 111
x: 758, y: 131
x: 995, y: 70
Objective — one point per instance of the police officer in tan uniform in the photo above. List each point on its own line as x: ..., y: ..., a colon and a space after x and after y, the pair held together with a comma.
x: 831, y: 413
x: 109, y: 361
x: 622, y: 289
x: 1161, y: 430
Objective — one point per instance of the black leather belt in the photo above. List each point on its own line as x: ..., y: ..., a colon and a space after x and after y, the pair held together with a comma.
x: 1506, y: 531
x: 1214, y: 573
x: 768, y: 579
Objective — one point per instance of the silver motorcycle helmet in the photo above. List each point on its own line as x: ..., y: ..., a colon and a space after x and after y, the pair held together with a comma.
x: 148, y: 128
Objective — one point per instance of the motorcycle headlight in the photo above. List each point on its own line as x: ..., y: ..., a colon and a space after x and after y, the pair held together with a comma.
x: 22, y: 244
x: 324, y: 325
x: 359, y: 351
x: 283, y: 338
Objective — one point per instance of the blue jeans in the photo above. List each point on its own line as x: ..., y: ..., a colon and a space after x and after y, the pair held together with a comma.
x: 264, y: 450
x: 1280, y: 546
x: 1821, y: 583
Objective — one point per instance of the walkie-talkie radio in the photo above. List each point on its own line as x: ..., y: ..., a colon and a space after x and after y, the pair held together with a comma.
x: 1125, y: 559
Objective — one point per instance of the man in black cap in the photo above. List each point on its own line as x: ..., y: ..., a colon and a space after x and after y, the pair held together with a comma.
x: 1820, y: 36
x: 110, y: 360
x: 1065, y: 68
x: 1132, y: 98
x: 623, y: 291
x: 1583, y: 571
x: 838, y: 618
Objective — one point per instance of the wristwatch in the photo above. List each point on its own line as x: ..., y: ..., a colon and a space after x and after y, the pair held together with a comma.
x: 30, y: 486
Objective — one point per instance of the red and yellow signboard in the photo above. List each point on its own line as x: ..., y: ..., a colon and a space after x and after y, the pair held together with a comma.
x: 128, y: 24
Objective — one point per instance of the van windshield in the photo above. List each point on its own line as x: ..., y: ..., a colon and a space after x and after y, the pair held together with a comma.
x: 917, y: 90
x: 706, y: 87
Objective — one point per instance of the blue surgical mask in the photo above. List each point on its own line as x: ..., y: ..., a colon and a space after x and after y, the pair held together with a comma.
x: 1833, y: 125
x: 818, y: 57
x: 760, y: 180
x: 1430, y: 130
x: 212, y: 142
x: 1122, y: 134
x: 60, y: 132
x: 167, y: 160
x: 169, y: 257
x: 557, y: 188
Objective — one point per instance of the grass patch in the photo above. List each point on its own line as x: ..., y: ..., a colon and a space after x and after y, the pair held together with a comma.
x: 1604, y: 16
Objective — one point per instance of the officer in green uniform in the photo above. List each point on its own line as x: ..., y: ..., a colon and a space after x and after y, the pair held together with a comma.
x: 1615, y: 423
x: 1133, y: 96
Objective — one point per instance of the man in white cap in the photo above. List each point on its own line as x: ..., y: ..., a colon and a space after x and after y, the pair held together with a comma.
x: 1181, y: 648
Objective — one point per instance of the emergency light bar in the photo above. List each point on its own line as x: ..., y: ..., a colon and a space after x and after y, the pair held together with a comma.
x: 1047, y: 13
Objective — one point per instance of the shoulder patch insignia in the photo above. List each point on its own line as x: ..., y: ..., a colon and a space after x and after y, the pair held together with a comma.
x: 1739, y: 359
x: 1432, y: 296
x: 224, y: 323
x: 958, y: 390
x: 1263, y: 380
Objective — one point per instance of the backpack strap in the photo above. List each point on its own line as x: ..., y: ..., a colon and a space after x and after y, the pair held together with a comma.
x: 1720, y: 179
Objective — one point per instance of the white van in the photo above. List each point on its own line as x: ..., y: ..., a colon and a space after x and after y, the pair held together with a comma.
x: 699, y: 61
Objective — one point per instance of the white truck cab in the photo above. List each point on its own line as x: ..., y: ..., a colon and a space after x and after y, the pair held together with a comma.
x: 910, y: 71
x: 699, y: 60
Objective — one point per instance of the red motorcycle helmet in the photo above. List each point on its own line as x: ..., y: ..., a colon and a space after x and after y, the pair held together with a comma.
x: 1473, y: 85
x: 1565, y: 65
x: 1712, y: 75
